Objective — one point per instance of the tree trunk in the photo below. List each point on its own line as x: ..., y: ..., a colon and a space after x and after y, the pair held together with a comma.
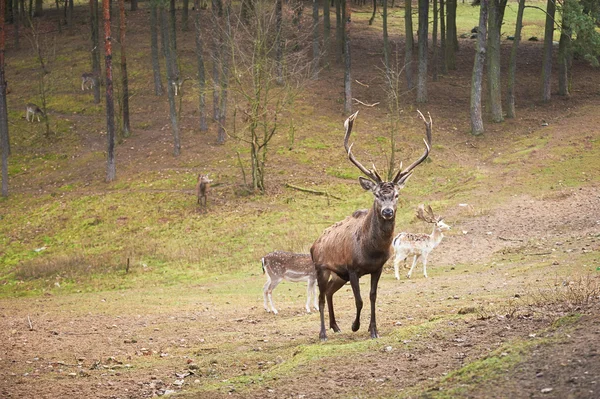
x: 339, y: 30
x: 17, y: 21
x: 564, y: 56
x: 279, y: 42
x: 158, y: 87
x: 347, y: 58
x: 451, y: 37
x: 124, y: 77
x: 374, y: 12
x: 423, y: 55
x: 408, y: 47
x: 39, y: 9
x: 216, y: 58
x: 173, y: 39
x: 434, y: 41
x: 493, y: 60
x: 443, y: 37
x: 185, y: 15
x: 326, y: 30
x: 225, y: 59
x: 547, y: 55
x: 111, y: 169
x: 4, y: 142
x: 316, y: 51
x: 386, y: 41
x: 134, y: 5
x: 171, y: 78
x: 201, y: 70
x: 95, y: 35
x: 512, y: 66
x: 477, y: 77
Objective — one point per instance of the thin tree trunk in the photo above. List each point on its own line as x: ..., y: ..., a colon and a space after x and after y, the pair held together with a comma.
x: 494, y: 87
x: 512, y: 66
x: 477, y: 77
x: 201, y: 70
x: 347, y: 58
x: 124, y: 76
x: 386, y: 42
x: 434, y: 41
x: 216, y: 58
x: 158, y: 87
x: 564, y: 56
x: 279, y: 42
x: 185, y: 15
x: 374, y: 12
x: 39, y: 9
x: 111, y: 169
x: 95, y: 23
x: 173, y: 40
x: 423, y: 53
x: 134, y: 5
x: 17, y: 20
x: 451, y: 39
x: 326, y: 30
x: 408, y: 48
x: 4, y: 141
x: 339, y: 31
x: 443, y: 37
x: 59, y: 14
x: 316, y: 51
x: 547, y: 55
x: 225, y: 59
x: 171, y: 79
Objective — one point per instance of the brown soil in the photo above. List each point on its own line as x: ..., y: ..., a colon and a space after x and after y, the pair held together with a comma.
x: 130, y: 344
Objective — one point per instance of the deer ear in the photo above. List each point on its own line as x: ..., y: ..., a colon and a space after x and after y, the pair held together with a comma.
x: 366, y: 183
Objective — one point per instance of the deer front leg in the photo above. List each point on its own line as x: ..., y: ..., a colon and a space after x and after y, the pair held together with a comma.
x: 322, y: 280
x: 399, y: 258
x: 373, y: 297
x: 424, y: 260
x: 357, y: 299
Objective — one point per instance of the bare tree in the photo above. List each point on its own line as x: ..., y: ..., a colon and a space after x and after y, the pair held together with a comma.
x: 326, y: 30
x: 347, y: 57
x: 95, y: 36
x: 443, y: 37
x: 172, y: 78
x: 547, y: 57
x: 423, y: 53
x: 512, y: 66
x: 477, y: 77
x: 451, y: 34
x: 4, y: 141
x: 124, y: 76
x: 564, y: 50
x: 158, y: 87
x: 409, y: 44
x: 111, y: 168
x: 434, y: 40
x: 316, y: 51
x: 201, y: 69
x: 494, y: 88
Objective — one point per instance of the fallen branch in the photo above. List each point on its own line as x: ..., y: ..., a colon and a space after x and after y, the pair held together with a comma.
x: 365, y: 104
x: 30, y: 323
x: 309, y: 190
x: 362, y: 84
x: 509, y: 239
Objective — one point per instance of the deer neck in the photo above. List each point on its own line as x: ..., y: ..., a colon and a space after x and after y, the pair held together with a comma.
x: 437, y: 235
x: 377, y: 232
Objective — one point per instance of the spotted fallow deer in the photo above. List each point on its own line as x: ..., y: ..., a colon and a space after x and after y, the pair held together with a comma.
x: 289, y: 266
x: 361, y: 243
x: 419, y: 245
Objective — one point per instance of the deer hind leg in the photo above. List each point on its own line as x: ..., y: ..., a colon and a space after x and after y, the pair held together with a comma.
x: 424, y: 260
x: 314, y: 294
x: 334, y: 285
x: 265, y: 293
x: 322, y: 280
x: 272, y: 285
x: 400, y: 256
x: 357, y: 299
x: 413, y: 265
x: 311, y: 288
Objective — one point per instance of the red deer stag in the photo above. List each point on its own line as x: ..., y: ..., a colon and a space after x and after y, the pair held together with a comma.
x: 361, y: 243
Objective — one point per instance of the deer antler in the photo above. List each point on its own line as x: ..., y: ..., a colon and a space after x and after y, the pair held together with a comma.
x: 371, y: 174
x: 403, y: 175
x: 426, y: 215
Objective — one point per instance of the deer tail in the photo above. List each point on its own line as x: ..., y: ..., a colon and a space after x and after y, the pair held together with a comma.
x: 262, y: 261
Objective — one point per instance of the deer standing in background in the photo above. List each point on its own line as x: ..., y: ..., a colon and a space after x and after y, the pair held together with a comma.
x: 361, y: 243
x: 419, y: 245
x: 34, y: 111
x: 202, y: 189
x: 279, y: 266
x: 88, y: 81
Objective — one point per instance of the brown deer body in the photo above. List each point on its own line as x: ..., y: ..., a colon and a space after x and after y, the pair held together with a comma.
x: 202, y: 189
x: 361, y: 243
x: 88, y: 81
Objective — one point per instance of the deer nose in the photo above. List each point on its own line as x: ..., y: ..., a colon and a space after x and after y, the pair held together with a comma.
x: 387, y: 213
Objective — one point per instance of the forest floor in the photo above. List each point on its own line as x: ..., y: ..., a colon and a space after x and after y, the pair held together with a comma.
x: 511, y: 308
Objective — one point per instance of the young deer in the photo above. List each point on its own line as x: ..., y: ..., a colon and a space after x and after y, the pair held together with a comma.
x: 88, y: 81
x: 202, y: 188
x: 34, y: 111
x: 419, y: 245
x: 279, y: 266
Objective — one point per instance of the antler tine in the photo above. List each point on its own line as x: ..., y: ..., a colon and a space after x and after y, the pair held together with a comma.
x: 430, y: 212
x: 369, y: 173
x: 426, y: 214
x: 403, y: 175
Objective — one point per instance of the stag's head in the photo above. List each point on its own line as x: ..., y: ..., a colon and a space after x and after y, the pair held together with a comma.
x: 386, y: 193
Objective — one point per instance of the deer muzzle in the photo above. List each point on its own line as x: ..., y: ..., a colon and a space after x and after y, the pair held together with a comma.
x: 387, y: 213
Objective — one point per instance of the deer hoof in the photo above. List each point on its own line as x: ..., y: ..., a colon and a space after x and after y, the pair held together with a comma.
x: 355, y: 326
x: 323, y: 336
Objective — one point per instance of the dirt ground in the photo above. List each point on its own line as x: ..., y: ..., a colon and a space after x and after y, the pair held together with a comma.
x: 143, y: 343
